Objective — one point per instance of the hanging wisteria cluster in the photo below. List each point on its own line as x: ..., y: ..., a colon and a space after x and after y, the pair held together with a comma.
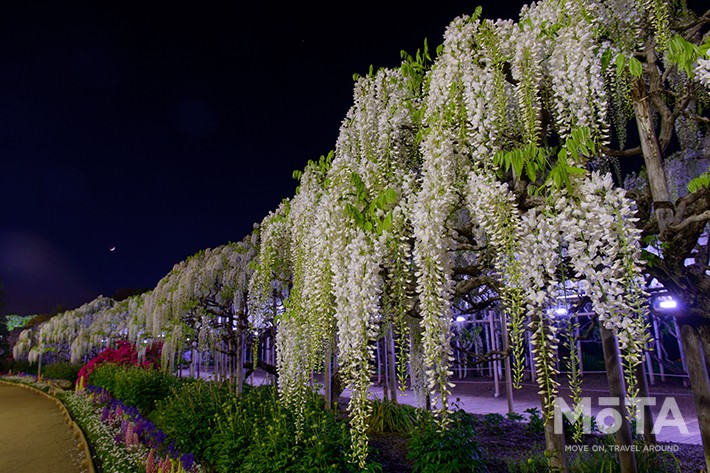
x: 440, y: 166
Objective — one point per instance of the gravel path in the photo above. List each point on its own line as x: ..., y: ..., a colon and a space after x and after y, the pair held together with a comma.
x: 33, y: 435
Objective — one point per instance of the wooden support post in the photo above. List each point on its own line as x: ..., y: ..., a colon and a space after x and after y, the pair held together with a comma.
x: 659, y: 348
x: 384, y: 370
x: 392, y: 371
x: 679, y: 337
x: 492, y: 347
x: 648, y: 434
x: 617, y: 390
x: 649, y: 369
x: 508, y: 369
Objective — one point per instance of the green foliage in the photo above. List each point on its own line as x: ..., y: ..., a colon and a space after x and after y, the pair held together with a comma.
x: 451, y: 450
x: 493, y: 423
x: 535, y: 162
x: 254, y: 433
x: 371, y: 215
x: 635, y: 67
x: 19, y: 366
x: 135, y: 386
x: 188, y: 414
x: 16, y: 321
x: 388, y: 416
x: 320, y: 168
x: 531, y: 159
x: 685, y: 54
x: 534, y: 463
x: 535, y: 421
x: 700, y: 182
x: 62, y: 370
x: 607, y: 461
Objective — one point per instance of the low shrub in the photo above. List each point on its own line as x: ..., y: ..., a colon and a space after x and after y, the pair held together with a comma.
x: 19, y: 366
x: 450, y: 450
x: 122, y: 353
x: 389, y: 416
x: 534, y: 463
x: 188, y: 414
x: 647, y: 461
x: 68, y: 371
x: 135, y: 386
x: 255, y: 434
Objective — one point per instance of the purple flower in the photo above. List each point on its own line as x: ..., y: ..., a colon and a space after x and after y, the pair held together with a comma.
x: 187, y: 461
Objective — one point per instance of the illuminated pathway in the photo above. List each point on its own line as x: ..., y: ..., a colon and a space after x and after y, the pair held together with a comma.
x: 33, y: 435
x: 477, y: 397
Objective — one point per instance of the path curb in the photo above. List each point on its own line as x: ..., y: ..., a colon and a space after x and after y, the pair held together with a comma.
x: 88, y: 461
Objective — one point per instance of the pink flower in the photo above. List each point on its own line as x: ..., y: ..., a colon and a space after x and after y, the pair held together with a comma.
x: 150, y: 466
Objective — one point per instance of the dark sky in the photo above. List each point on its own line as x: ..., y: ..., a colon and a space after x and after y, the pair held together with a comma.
x: 164, y: 128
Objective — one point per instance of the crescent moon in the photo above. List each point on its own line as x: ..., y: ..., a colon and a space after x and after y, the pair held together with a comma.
x: 113, y: 248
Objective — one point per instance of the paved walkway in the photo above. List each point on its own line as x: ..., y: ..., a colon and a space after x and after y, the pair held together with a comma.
x: 33, y: 435
x: 674, y: 416
x: 673, y: 411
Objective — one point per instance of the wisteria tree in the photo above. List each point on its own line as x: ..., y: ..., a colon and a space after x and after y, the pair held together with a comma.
x: 482, y: 177
x: 60, y: 333
x: 201, y: 306
x: 484, y: 173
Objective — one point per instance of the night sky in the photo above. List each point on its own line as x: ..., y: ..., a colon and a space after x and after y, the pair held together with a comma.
x: 162, y: 129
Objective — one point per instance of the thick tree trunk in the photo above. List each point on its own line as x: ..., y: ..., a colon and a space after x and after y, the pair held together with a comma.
x: 617, y: 390
x: 704, y: 333
x: 699, y: 383
x: 652, y: 156
x: 692, y: 342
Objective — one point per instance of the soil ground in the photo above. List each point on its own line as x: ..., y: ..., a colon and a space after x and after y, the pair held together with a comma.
x: 33, y: 435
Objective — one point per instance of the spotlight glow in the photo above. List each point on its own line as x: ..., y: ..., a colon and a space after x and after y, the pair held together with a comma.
x: 561, y: 311
x: 668, y: 304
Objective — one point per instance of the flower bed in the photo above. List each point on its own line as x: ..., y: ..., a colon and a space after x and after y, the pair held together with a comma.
x: 124, y: 441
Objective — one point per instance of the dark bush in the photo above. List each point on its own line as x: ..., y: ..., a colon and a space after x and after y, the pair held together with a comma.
x: 188, y: 414
x: 62, y: 370
x: 255, y: 434
x: 452, y: 449
x: 19, y: 366
x: 135, y: 386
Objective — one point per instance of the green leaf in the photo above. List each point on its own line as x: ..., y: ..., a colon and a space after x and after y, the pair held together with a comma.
x: 620, y: 64
x: 635, y: 67
x: 699, y: 183
x: 576, y: 170
x: 477, y: 13
x: 531, y: 171
x: 387, y: 223
x: 606, y: 59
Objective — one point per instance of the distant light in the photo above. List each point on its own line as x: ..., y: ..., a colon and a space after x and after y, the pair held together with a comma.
x: 668, y: 304
x: 460, y: 318
x: 561, y: 311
